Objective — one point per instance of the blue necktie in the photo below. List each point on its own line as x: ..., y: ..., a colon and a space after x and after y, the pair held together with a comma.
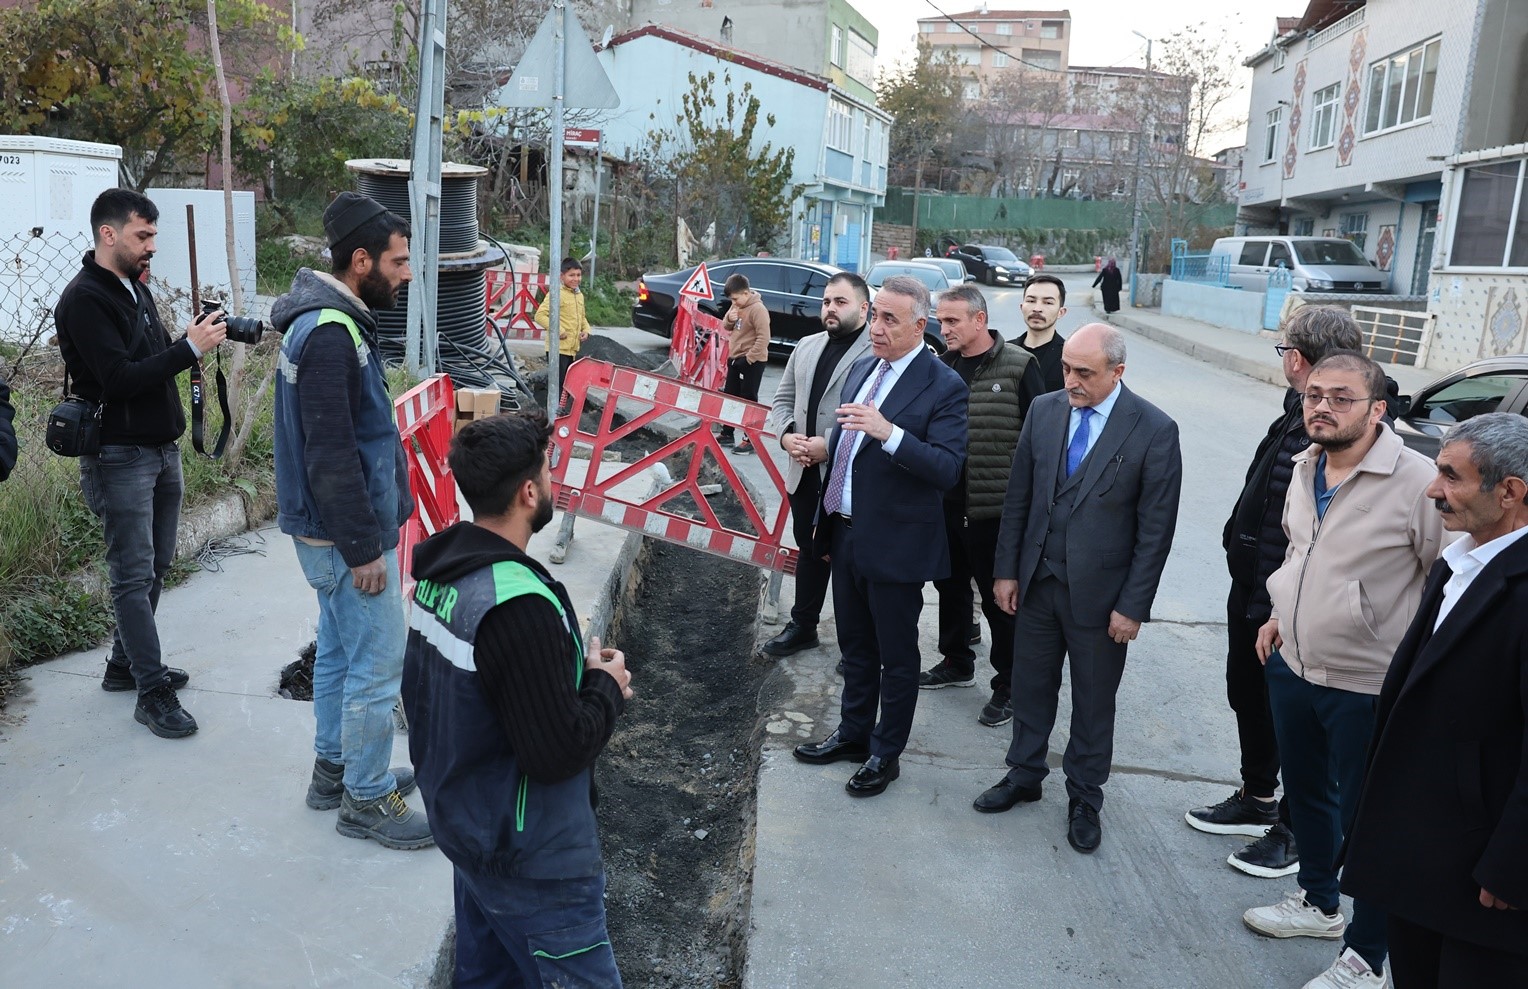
x: 1078, y: 448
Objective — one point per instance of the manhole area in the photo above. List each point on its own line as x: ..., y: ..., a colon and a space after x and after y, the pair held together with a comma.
x: 677, y: 780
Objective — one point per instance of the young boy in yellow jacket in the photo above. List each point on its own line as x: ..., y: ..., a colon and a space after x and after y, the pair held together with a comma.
x: 574, y: 328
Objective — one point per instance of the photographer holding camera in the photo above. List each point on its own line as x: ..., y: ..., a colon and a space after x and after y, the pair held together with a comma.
x: 121, y: 358
x: 342, y: 491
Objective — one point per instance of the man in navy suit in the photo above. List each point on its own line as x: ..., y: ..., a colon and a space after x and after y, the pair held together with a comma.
x: 1440, y: 838
x: 898, y: 447
x: 1087, y: 524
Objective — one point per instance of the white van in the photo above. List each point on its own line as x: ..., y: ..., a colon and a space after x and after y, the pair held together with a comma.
x: 1316, y: 264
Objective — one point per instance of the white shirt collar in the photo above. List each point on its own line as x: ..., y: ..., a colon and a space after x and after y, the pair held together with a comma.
x: 1464, y: 555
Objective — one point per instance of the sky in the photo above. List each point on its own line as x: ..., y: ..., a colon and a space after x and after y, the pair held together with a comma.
x: 1101, y: 33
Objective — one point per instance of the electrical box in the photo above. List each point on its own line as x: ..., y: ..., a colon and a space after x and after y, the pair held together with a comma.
x: 47, y: 186
x: 172, y: 261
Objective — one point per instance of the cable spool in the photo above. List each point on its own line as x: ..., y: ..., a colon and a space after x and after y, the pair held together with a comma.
x: 461, y: 311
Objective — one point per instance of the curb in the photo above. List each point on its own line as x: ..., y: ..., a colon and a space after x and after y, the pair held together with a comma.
x: 1213, y: 356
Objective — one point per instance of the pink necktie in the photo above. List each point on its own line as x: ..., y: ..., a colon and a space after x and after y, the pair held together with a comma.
x: 833, y: 500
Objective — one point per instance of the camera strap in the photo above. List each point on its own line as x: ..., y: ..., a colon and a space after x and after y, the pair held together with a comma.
x: 198, y: 401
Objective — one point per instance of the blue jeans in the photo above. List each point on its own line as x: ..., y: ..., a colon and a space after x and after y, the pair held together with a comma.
x: 1323, y: 735
x: 515, y: 933
x: 357, y: 669
x: 135, y: 492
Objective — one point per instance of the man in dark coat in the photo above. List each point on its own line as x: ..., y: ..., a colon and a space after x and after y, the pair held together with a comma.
x: 1255, y: 542
x: 1440, y: 840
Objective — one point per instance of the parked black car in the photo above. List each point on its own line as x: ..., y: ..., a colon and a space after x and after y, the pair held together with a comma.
x: 791, y: 289
x: 1496, y: 384
x: 991, y: 264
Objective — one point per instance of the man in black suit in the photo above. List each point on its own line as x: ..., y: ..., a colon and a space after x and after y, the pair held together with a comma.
x: 898, y: 447
x: 1440, y: 840
x: 1087, y: 524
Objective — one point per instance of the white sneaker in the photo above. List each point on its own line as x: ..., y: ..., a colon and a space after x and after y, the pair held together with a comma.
x: 1293, y: 917
x: 1349, y: 971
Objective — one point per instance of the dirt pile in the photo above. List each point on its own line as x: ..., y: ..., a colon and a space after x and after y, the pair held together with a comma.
x: 677, y: 780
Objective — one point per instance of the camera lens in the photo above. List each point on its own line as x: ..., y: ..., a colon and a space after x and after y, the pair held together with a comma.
x: 243, y: 329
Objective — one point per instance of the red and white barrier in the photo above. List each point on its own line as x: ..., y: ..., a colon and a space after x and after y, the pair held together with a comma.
x: 643, y: 398
x: 425, y: 416
x: 512, y: 301
x: 698, y: 347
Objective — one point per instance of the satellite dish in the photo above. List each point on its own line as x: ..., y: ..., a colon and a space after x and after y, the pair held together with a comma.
x: 609, y: 33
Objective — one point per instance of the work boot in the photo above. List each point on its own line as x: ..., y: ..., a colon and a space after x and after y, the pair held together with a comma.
x: 387, y: 820
x: 119, y: 678
x: 328, y: 784
x: 160, y: 710
x: 792, y: 639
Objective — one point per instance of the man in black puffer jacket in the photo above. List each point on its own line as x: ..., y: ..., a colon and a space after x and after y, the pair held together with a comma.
x: 1255, y: 543
x: 1004, y: 378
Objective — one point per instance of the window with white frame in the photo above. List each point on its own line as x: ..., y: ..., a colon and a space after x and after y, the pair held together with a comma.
x: 1037, y: 58
x: 971, y: 89
x: 1000, y: 60
x: 1003, y: 27
x: 836, y: 48
x: 1401, y: 87
x: 927, y: 28
x: 1491, y: 229
x: 1355, y: 227
x: 1280, y: 56
x: 1271, y: 134
x: 968, y: 56
x: 840, y: 126
x: 1304, y: 226
x: 1323, y: 122
x: 865, y: 154
x: 952, y: 27
x: 860, y: 60
x: 1050, y: 29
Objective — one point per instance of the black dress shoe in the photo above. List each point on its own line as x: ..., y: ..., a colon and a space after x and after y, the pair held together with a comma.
x: 873, y: 777
x: 996, y: 799
x: 791, y: 640
x: 1083, y: 832
x: 832, y: 749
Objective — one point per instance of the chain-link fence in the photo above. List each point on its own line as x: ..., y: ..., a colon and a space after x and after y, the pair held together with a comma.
x: 52, y: 587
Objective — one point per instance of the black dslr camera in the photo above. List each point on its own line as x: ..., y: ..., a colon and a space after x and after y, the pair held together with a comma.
x: 241, y: 329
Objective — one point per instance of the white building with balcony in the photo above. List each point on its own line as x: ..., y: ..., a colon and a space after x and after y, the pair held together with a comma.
x: 839, y: 139
x: 1400, y: 125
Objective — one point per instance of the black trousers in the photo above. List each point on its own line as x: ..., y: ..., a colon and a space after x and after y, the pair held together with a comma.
x: 1047, y: 635
x: 1422, y: 958
x: 1247, y: 692
x: 878, y: 637
x: 973, y: 545
x: 812, y: 574
x: 743, y: 378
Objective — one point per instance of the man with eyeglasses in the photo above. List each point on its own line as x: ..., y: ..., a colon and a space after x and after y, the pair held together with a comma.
x: 1362, y: 535
x: 1255, y: 542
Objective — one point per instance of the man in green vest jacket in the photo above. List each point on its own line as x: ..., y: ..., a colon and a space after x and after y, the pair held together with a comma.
x: 1004, y: 379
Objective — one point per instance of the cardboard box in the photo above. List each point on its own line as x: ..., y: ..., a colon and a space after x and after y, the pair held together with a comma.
x: 475, y: 403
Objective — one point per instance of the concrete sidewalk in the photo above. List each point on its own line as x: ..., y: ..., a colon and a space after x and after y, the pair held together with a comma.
x: 1251, y: 354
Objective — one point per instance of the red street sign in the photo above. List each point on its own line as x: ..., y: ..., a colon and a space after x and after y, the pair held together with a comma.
x: 581, y: 137
x: 699, y: 285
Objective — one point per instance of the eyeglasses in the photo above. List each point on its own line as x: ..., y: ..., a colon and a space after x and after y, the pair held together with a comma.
x: 1283, y: 348
x: 1338, y: 403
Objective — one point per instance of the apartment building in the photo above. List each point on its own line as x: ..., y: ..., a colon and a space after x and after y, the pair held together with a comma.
x: 988, y: 43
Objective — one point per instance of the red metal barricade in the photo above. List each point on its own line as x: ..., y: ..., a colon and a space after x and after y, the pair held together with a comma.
x: 644, y: 398
x: 425, y: 415
x: 699, y: 347
x: 512, y: 301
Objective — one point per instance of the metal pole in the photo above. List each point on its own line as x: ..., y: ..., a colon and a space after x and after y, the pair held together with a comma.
x: 554, y: 182
x: 1140, y: 155
x: 594, y: 235
x: 421, y: 344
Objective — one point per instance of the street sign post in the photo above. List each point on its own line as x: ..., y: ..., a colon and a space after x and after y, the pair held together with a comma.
x: 559, y: 68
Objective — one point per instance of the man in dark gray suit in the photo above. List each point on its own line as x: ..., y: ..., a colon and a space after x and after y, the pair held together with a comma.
x: 1087, y: 525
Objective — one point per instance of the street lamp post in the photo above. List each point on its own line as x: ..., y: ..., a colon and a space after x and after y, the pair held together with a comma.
x: 1140, y: 154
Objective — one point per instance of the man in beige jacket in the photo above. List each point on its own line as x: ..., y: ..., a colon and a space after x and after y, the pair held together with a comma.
x: 1362, y: 536
x: 747, y: 347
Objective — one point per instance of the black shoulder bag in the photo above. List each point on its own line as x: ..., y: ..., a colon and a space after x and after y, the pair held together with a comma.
x: 74, y: 427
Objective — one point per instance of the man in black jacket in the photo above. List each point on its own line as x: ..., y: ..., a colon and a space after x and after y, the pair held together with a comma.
x: 118, y: 353
x: 7, y: 432
x: 1255, y: 542
x: 507, y: 715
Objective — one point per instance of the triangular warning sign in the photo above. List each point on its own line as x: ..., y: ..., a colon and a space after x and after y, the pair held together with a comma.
x: 586, y: 85
x: 699, y: 285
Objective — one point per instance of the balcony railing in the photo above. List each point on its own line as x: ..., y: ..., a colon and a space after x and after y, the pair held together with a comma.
x: 1348, y: 23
